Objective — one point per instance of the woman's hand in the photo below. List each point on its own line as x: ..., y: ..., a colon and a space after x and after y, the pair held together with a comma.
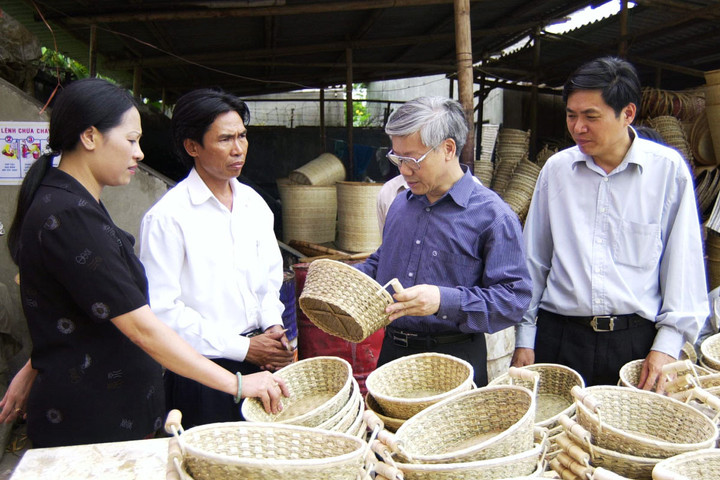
x: 267, y: 387
x: 15, y: 400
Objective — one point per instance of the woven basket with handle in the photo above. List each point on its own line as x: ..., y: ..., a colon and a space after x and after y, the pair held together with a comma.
x: 347, y: 411
x: 479, y: 424
x: 630, y: 372
x: 342, y: 301
x: 261, y: 451
x: 391, y: 424
x: 698, y: 465
x: 319, y: 388
x: 407, y: 385
x: 641, y: 423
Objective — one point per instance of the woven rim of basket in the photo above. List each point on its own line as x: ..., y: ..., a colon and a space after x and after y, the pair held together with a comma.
x: 233, y: 427
x: 371, y: 404
x: 679, y: 463
x: 346, y: 409
x: 710, y: 349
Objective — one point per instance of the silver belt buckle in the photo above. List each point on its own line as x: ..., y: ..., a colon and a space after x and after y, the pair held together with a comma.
x: 594, y: 323
x: 401, y: 338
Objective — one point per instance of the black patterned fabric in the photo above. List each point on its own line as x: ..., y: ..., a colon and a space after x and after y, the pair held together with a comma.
x: 78, y: 271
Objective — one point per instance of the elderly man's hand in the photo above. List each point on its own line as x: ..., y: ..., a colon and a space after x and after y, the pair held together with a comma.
x: 270, y: 350
x: 652, y: 371
x: 417, y: 301
x: 523, y: 357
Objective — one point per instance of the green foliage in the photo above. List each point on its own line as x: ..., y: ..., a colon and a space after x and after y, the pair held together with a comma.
x: 53, y: 60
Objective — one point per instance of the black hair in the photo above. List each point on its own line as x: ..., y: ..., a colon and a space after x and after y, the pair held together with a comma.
x: 196, y: 111
x: 649, y: 133
x: 616, y: 78
x: 90, y: 102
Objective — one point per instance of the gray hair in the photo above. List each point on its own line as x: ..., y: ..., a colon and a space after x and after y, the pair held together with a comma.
x: 436, y: 118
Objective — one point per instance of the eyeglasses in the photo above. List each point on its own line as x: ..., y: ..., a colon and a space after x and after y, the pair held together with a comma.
x: 413, y: 163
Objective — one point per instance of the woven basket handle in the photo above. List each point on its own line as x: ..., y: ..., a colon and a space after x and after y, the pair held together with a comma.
x: 585, y: 398
x: 707, y: 398
x: 677, y: 367
x: 683, y: 382
x: 525, y: 374
x: 602, y: 474
x: 173, y: 423
x: 579, y: 469
x: 560, y: 469
x: 573, y: 449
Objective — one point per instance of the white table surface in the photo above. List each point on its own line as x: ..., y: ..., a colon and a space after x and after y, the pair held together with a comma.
x: 139, y: 459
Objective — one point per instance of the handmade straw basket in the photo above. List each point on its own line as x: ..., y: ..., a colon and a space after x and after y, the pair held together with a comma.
x: 479, y: 424
x: 630, y: 372
x: 324, y: 170
x: 308, y: 212
x: 344, y: 417
x: 358, y: 229
x: 710, y: 350
x: 343, y: 301
x: 642, y: 423
x: 407, y: 385
x: 522, y: 464
x: 319, y: 388
x: 261, y: 451
x: 697, y: 465
x: 553, y: 396
x: 391, y: 424
x: 701, y: 142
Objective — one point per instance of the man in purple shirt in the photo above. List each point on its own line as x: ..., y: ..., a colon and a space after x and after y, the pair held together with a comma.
x: 454, y: 245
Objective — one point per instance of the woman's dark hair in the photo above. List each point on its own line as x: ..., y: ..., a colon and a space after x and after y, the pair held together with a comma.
x: 195, y: 111
x: 615, y: 78
x: 90, y: 102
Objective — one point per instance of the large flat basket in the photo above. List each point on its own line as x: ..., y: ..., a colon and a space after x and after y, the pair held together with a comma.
x: 697, y: 465
x: 319, y: 388
x: 343, y: 301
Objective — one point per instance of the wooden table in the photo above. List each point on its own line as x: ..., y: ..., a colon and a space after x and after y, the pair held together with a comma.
x: 139, y: 459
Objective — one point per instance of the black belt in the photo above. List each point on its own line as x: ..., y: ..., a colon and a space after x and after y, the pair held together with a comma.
x: 421, y: 340
x: 601, y: 323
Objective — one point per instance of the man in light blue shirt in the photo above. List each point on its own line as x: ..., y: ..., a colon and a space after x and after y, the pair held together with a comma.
x: 613, y: 241
x: 454, y: 245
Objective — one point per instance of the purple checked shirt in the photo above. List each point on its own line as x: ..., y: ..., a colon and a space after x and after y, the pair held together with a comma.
x: 468, y: 243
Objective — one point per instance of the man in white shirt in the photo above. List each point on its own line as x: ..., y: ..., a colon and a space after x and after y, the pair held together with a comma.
x: 386, y: 195
x: 213, y: 264
x: 613, y: 241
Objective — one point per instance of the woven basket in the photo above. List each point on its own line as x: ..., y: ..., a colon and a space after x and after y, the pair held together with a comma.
x: 553, y: 396
x: 260, y: 451
x: 319, y: 388
x: 391, y: 424
x: 308, y: 212
x: 358, y: 229
x: 710, y: 350
x: 407, y: 385
x: 701, y: 142
x: 698, y: 465
x: 641, y: 423
x: 324, y: 170
x: 479, y: 424
x: 519, y: 465
x: 630, y: 373
x: 347, y: 413
x: 343, y: 301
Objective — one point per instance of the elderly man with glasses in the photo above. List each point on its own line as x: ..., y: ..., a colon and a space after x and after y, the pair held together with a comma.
x: 454, y: 245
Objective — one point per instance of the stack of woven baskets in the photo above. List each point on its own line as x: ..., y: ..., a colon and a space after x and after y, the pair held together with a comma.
x: 553, y: 397
x: 672, y: 131
x: 512, y: 147
x: 480, y: 434
x: 629, y: 431
x: 712, y: 250
x: 707, y: 187
x: 484, y: 166
x: 403, y: 387
x: 520, y: 188
x: 323, y: 394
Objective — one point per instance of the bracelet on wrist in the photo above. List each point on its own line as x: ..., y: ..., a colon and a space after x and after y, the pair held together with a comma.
x: 238, y: 397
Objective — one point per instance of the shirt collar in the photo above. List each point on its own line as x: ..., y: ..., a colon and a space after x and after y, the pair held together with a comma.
x: 199, y: 191
x: 634, y: 156
x: 59, y: 179
x: 460, y: 191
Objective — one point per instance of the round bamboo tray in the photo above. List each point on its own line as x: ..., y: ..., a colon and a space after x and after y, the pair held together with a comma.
x: 641, y: 423
x: 698, y: 465
x: 358, y: 229
x: 407, y: 385
x: 324, y: 170
x: 479, y: 424
x: 319, y: 388
x: 342, y: 301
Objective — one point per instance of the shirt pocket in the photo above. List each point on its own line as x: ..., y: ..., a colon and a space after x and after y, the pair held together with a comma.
x: 637, y: 244
x: 455, y: 268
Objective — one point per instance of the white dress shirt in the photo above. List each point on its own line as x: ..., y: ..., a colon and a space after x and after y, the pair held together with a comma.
x: 618, y: 243
x: 386, y: 195
x: 213, y: 274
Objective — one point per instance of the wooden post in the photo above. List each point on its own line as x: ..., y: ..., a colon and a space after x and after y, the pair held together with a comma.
x: 137, y: 81
x: 480, y: 115
x: 349, y: 112
x: 623, y: 47
x: 463, y: 48
x: 323, y: 138
x: 92, y: 61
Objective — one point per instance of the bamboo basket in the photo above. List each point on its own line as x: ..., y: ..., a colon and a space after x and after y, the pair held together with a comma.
x: 261, y: 451
x: 358, y: 229
x: 319, y: 388
x: 553, y: 391
x: 324, y: 170
x: 347, y: 413
x: 342, y: 301
x: 391, y: 424
x: 407, y: 385
x: 479, y: 424
x: 710, y: 350
x: 308, y: 212
x: 697, y: 465
x: 641, y: 423
x: 630, y: 372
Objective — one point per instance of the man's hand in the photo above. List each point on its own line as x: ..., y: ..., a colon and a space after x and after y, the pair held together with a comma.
x: 416, y: 301
x: 13, y: 403
x: 652, y: 371
x: 523, y: 357
x: 270, y: 350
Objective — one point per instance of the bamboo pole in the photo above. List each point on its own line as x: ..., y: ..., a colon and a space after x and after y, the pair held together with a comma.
x: 92, y: 63
x: 463, y: 47
x: 349, y: 111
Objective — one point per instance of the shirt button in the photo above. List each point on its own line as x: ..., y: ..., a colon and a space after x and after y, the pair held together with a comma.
x: 599, y: 240
x: 605, y: 179
x: 410, y: 274
x: 444, y: 317
x: 427, y: 209
x: 417, y: 242
x: 434, y: 254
